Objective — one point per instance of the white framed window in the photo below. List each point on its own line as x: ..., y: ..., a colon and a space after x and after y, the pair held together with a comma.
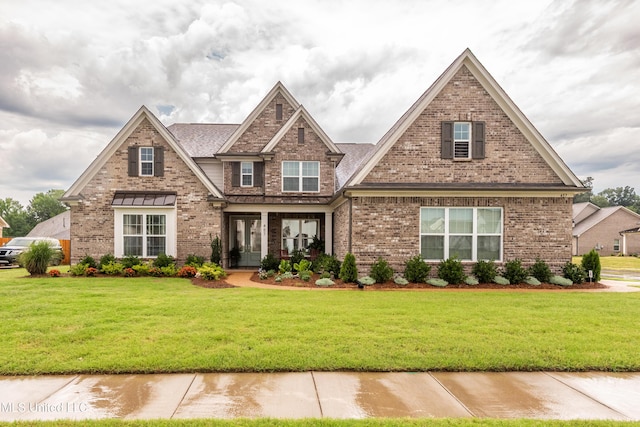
x: 461, y: 140
x: 246, y: 174
x: 300, y: 177
x: 298, y: 233
x: 144, y: 232
x: 616, y: 245
x: 470, y: 234
x: 146, y: 161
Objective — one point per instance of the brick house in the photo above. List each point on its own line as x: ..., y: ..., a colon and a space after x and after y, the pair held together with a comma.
x: 611, y: 230
x: 462, y: 173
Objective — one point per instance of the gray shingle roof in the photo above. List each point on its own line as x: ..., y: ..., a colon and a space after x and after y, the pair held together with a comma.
x: 202, y: 139
x: 354, y: 155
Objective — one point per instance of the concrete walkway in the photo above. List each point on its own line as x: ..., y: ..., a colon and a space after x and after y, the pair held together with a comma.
x: 540, y: 395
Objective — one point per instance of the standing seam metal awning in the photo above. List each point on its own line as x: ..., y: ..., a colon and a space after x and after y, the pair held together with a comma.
x: 158, y: 198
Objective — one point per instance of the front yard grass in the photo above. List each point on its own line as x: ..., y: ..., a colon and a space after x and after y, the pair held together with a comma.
x: 615, y: 262
x: 143, y: 325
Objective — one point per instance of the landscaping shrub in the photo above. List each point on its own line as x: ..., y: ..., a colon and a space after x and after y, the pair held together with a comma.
x: 305, y: 275
x: 296, y: 256
x: 533, y: 281
x: 367, y: 280
x: 451, y: 271
x: 37, y: 257
x: 130, y: 260
x: 194, y: 260
x: 348, y: 270
x: 163, y: 260
x: 187, y: 271
x: 574, y: 272
x: 471, y: 280
x: 484, y: 271
x: 129, y: 272
x: 591, y: 261
x: 216, y: 250
x: 168, y: 270
x: 437, y: 282
x: 54, y: 272
x: 399, y: 280
x: 416, y: 270
x: 326, y: 264
x: 90, y: 261
x: 303, y: 265
x: 211, y: 271
x: 562, y: 281
x: 501, y: 280
x: 514, y: 272
x: 284, y: 266
x: 541, y: 271
x: 141, y: 269
x: 104, y: 260
x: 324, y: 282
x: 78, y: 269
x: 91, y: 272
x: 112, y: 268
x: 269, y: 262
x: 381, y: 272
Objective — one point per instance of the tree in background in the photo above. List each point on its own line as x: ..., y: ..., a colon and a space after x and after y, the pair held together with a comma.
x: 41, y: 207
x: 619, y: 196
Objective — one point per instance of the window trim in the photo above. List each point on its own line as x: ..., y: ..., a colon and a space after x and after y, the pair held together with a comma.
x: 243, y: 174
x: 446, y: 234
x: 170, y: 229
x: 616, y: 245
x: 300, y: 176
x: 142, y: 162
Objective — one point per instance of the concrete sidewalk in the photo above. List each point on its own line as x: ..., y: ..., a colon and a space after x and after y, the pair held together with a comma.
x: 541, y: 395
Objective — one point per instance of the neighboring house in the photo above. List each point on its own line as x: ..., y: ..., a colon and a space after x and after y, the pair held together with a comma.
x: 611, y: 230
x: 3, y: 224
x: 56, y: 227
x: 462, y: 173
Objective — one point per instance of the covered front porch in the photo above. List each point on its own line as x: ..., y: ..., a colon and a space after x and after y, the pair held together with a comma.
x: 253, y: 231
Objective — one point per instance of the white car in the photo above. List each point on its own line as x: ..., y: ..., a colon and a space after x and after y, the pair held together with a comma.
x: 14, y: 247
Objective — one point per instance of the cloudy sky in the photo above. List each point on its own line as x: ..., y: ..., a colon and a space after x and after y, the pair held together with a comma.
x: 72, y: 72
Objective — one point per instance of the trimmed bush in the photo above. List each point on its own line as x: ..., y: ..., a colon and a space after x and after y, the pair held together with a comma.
x: 324, y: 282
x: 591, y: 261
x: 269, y: 262
x: 574, y: 272
x: 168, y: 271
x: 194, y: 260
x: 211, y: 271
x: 561, y: 281
x: 130, y: 260
x: 501, y: 280
x: 78, y: 269
x: 187, y: 271
x: 451, y: 271
x: 112, y: 268
x: 533, y: 281
x: 163, y: 260
x: 216, y: 250
x: 89, y: 260
x: 37, y: 257
x: 484, y: 271
x: 381, y: 272
x: 437, y: 282
x: 104, y: 260
x: 541, y: 271
x: 348, y: 270
x: 142, y: 269
x: 416, y: 270
x: 514, y: 272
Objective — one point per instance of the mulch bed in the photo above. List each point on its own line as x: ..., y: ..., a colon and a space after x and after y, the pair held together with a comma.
x: 212, y: 284
x: 391, y: 285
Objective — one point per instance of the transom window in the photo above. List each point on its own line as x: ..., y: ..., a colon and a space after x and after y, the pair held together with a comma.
x: 146, y: 161
x: 300, y: 176
x: 298, y: 233
x: 144, y: 235
x: 461, y: 140
x: 470, y: 234
x: 246, y: 172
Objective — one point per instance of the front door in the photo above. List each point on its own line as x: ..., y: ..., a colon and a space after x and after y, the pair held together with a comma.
x: 244, y: 235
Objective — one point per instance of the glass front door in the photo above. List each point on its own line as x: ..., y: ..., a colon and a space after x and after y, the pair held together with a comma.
x: 245, y: 241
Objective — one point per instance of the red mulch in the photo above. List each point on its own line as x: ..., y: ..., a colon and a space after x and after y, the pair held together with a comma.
x: 391, y: 285
x: 212, y: 284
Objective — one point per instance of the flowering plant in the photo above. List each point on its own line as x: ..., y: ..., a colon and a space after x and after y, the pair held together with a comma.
x: 54, y: 273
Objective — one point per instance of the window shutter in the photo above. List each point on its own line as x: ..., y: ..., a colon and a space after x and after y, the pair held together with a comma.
x: 235, y: 174
x: 158, y: 161
x: 446, y: 150
x: 133, y: 161
x: 258, y: 174
x: 477, y: 151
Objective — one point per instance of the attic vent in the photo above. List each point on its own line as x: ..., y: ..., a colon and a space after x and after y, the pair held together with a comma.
x: 278, y: 111
x: 300, y: 135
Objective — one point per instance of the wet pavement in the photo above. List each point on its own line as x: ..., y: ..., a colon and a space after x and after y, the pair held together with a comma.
x: 538, y: 395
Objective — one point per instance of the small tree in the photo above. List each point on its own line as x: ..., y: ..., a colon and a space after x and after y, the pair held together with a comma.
x: 515, y: 272
x: 381, y: 271
x: 591, y: 261
x: 416, y: 270
x: 348, y: 270
x: 541, y: 271
x: 216, y: 250
x: 37, y: 258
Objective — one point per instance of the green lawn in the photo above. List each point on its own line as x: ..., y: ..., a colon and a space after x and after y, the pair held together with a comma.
x: 112, y: 325
x: 616, y: 262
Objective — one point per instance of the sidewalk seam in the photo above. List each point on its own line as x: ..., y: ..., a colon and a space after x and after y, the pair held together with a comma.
x: 183, y: 396
x: 452, y: 395
x: 315, y: 387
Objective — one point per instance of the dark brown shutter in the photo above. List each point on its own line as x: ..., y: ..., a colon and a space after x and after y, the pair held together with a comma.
x: 477, y: 151
x: 158, y: 161
x: 133, y: 161
x: 446, y: 150
x: 235, y: 174
x: 258, y: 174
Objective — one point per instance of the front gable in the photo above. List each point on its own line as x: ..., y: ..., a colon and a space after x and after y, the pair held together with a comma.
x: 503, y: 149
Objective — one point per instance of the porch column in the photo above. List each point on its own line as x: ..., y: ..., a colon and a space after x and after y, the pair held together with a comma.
x: 624, y: 243
x: 328, y: 233
x: 264, y: 237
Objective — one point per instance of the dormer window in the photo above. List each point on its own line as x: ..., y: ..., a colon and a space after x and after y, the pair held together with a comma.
x: 146, y: 161
x: 462, y: 140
